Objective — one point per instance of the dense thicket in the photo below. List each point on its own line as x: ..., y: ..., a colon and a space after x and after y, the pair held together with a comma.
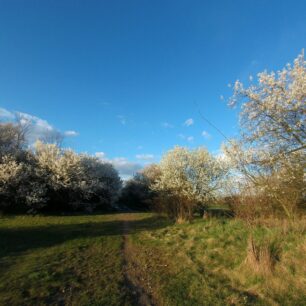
x: 137, y: 192
x: 48, y: 178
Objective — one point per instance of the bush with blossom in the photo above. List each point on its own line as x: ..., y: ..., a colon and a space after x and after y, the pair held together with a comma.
x: 271, y: 152
x: 188, y: 178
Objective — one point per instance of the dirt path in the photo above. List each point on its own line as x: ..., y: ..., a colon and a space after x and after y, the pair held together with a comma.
x: 134, y: 279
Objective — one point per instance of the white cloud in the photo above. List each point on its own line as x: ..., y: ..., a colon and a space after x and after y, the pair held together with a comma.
x: 100, y: 155
x: 206, y: 135
x: 5, y: 114
x: 125, y: 167
x: 167, y: 125
x: 190, y: 138
x: 71, y: 133
x: 37, y: 128
x: 221, y: 97
x: 187, y: 138
x: 146, y: 157
x: 189, y: 122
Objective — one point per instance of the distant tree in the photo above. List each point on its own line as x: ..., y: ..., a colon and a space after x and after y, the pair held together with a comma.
x: 77, y: 181
x: 135, y: 194
x: 22, y: 184
x: 54, y: 137
x: 12, y: 138
x: 103, y: 181
x: 188, y: 178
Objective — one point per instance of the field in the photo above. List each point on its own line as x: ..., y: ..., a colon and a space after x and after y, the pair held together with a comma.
x: 130, y: 259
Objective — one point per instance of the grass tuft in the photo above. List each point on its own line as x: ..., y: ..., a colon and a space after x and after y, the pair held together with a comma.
x: 262, y: 257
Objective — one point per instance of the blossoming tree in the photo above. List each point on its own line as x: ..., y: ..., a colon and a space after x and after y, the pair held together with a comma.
x: 188, y: 178
x: 273, y: 143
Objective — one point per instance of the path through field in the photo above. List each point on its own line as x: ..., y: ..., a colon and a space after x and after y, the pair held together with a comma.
x: 74, y: 260
x: 133, y: 259
x: 132, y: 272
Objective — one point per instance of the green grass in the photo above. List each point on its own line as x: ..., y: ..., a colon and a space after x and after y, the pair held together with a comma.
x: 204, y: 263
x: 72, y: 260
x: 78, y: 260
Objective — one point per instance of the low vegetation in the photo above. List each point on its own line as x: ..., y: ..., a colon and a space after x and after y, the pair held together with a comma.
x: 223, y: 262
x: 64, y: 260
x: 217, y: 261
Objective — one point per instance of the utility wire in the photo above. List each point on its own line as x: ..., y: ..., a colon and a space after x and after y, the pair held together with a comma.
x: 210, y: 123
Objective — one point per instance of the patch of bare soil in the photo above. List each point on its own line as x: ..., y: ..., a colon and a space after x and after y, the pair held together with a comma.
x: 136, y: 278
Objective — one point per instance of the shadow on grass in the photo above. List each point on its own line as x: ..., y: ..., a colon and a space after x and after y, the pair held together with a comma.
x: 17, y: 240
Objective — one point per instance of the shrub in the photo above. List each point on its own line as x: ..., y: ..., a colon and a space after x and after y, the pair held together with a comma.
x: 136, y: 194
x: 188, y: 178
x: 53, y: 179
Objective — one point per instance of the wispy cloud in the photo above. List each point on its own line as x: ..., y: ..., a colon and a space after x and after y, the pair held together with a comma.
x: 122, y: 119
x: 145, y: 157
x: 37, y: 128
x: 190, y: 138
x: 206, y: 135
x: 187, y: 138
x: 5, y: 114
x: 254, y: 62
x: 189, y: 122
x: 71, y: 133
x: 167, y: 125
x: 100, y: 155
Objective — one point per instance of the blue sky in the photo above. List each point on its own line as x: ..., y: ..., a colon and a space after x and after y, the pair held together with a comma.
x: 125, y: 75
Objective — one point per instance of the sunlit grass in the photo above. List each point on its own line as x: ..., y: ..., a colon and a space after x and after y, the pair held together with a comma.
x: 78, y: 260
x: 208, y: 266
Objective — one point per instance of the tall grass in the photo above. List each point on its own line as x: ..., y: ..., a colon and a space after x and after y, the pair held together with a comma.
x: 262, y: 257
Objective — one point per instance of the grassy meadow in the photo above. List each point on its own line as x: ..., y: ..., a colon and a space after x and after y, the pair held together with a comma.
x: 207, y: 263
x: 69, y: 260
x: 79, y: 260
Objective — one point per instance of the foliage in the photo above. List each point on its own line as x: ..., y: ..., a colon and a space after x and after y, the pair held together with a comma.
x: 137, y: 192
x: 188, y: 178
x: 270, y: 157
x: 274, y: 110
x: 54, y: 179
x: 12, y: 139
x: 263, y: 257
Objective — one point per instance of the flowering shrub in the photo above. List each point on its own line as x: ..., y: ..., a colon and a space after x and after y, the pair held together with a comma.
x: 188, y: 178
x: 270, y: 157
x: 54, y: 179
